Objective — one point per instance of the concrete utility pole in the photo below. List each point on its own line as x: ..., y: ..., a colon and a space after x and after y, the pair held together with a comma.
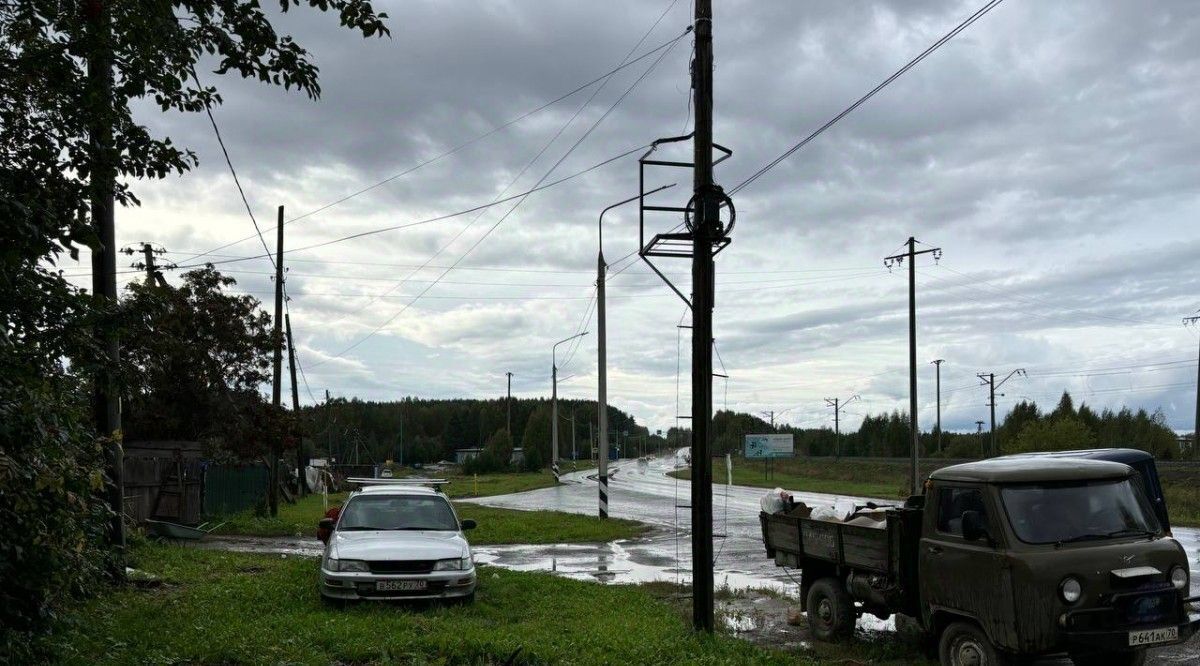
x: 554, y: 402
x: 1194, y: 320
x: 770, y: 415
x: 301, y: 459
x: 276, y: 364
x: 938, y: 364
x: 979, y: 431
x: 914, y: 429
x: 602, y: 350
x: 988, y: 379
x: 508, y: 418
x: 106, y: 405
x: 838, y: 405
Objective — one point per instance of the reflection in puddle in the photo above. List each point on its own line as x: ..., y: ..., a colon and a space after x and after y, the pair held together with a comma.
x: 616, y: 562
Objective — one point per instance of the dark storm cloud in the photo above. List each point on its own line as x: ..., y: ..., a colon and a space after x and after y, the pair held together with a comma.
x: 1049, y: 149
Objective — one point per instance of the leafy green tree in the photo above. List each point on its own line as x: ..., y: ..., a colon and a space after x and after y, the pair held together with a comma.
x: 194, y: 360
x: 536, y: 441
x: 1066, y: 433
x: 50, y: 112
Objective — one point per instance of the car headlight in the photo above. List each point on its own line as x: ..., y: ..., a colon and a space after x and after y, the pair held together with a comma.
x: 456, y: 564
x: 334, y: 564
x: 1179, y: 577
x: 1070, y: 589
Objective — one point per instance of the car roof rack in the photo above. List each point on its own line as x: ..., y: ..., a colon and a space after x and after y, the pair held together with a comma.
x: 436, y: 484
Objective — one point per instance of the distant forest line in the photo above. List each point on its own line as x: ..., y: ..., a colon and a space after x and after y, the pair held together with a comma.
x: 415, y: 430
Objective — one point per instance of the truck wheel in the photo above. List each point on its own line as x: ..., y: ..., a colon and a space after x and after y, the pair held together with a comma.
x: 830, y: 610
x: 964, y: 644
x: 1134, y: 658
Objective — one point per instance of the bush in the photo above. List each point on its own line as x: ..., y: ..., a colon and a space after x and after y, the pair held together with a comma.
x: 53, y: 515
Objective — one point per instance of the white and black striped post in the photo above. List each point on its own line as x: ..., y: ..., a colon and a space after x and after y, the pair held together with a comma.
x: 602, y: 372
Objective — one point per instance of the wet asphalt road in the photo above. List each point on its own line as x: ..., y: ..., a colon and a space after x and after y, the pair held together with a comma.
x: 644, y: 492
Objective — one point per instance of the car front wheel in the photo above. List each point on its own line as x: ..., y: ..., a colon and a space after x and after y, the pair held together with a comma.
x: 964, y: 644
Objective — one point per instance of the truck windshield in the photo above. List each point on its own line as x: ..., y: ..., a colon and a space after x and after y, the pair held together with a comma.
x: 1064, y: 513
x: 397, y: 512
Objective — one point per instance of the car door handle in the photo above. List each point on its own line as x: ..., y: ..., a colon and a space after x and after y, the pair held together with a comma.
x: 935, y: 550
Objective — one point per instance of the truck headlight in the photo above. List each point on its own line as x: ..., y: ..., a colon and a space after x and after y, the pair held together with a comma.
x: 334, y: 564
x: 1179, y: 577
x: 1070, y: 589
x: 456, y: 564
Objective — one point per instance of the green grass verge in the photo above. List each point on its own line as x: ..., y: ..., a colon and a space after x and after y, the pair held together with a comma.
x: 219, y: 607
x: 496, y: 526
x: 890, y: 481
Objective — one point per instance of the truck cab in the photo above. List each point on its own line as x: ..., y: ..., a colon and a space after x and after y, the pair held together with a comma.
x: 1049, y: 555
x: 1002, y: 560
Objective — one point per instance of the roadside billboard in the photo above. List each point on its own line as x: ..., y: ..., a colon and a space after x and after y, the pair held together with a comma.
x: 769, y: 446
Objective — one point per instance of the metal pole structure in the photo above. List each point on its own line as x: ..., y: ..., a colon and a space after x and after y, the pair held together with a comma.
x: 1196, y: 424
x: 508, y: 418
x: 602, y: 355
x: 705, y: 230
x: 914, y: 428
x: 938, y: 365
x: 301, y: 462
x: 106, y: 404
x: 276, y: 365
x: 554, y: 402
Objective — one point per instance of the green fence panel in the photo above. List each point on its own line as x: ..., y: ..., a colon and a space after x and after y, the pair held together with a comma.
x: 230, y: 489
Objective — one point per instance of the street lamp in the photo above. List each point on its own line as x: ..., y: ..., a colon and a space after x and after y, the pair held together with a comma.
x: 554, y: 402
x: 602, y: 353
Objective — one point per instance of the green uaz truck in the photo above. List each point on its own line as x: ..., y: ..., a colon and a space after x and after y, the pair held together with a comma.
x: 1000, y: 560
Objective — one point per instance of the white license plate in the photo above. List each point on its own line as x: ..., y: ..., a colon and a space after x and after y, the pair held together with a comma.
x: 1152, y: 636
x: 407, y: 586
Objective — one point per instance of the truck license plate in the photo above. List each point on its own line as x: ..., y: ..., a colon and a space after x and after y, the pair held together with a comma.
x: 410, y: 585
x: 1152, y: 636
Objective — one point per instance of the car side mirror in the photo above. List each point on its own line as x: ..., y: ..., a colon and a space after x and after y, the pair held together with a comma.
x: 325, y: 528
x: 973, y: 527
x: 468, y: 524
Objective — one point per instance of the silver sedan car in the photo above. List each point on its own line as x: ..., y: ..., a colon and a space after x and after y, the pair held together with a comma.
x: 397, y: 542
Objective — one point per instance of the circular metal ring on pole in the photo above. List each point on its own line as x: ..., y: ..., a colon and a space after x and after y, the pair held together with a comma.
x: 722, y: 230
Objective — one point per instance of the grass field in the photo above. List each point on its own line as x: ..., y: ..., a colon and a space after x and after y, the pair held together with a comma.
x: 889, y: 480
x: 216, y: 607
x: 496, y: 526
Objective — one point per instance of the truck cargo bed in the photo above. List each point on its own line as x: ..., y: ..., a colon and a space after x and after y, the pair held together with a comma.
x: 867, y: 548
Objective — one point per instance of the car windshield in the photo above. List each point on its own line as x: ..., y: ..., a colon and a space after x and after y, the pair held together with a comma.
x: 1064, y: 513
x: 397, y: 512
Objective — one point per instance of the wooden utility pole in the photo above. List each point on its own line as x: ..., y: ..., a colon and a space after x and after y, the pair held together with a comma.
x: 277, y: 363
x: 301, y: 458
x: 914, y: 429
x: 706, y: 228
x: 106, y: 405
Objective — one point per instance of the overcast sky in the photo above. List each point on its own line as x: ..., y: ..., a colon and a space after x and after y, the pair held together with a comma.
x: 1050, y: 151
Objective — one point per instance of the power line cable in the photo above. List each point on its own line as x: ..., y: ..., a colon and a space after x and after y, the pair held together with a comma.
x: 528, y: 165
x: 459, y: 147
x: 850, y: 109
x: 653, y: 65
x: 437, y: 218
x: 237, y: 181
